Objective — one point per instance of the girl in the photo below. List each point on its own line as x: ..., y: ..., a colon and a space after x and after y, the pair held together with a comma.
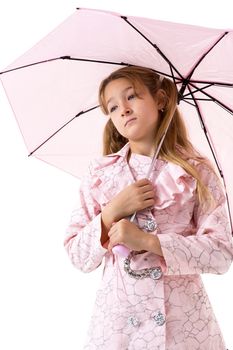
x: 181, y: 228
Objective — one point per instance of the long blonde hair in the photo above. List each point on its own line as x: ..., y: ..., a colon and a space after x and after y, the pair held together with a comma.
x: 176, y: 146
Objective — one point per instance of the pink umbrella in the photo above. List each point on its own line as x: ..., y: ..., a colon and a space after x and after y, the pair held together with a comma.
x: 53, y: 87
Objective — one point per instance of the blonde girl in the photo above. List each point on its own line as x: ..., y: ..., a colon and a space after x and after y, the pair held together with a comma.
x: 154, y: 298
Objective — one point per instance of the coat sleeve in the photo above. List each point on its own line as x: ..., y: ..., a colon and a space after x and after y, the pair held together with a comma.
x: 209, y: 248
x: 82, y: 241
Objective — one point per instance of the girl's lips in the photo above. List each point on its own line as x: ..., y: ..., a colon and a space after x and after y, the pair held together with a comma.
x: 128, y: 121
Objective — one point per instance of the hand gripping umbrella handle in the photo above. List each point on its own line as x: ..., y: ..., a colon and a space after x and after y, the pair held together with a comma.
x: 120, y: 249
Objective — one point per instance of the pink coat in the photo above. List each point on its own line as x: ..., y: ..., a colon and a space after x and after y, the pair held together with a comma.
x: 172, y: 312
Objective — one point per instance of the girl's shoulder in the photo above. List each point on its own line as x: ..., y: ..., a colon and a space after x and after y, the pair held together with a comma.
x: 209, y: 175
x: 104, y: 163
x: 198, y: 161
x: 98, y: 168
x: 203, y: 165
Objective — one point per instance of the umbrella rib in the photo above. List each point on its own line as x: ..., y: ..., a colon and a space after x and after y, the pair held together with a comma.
x: 217, y: 83
x: 82, y: 60
x: 155, y: 46
x: 109, y: 62
x: 167, y: 75
x: 33, y: 64
x: 125, y: 64
x: 186, y: 81
x: 198, y: 99
x: 174, y: 78
x: 122, y: 64
x: 213, y: 153
x: 214, y: 99
x: 76, y: 116
x: 198, y: 89
x: 189, y: 103
x: 205, y: 54
x: 98, y: 61
x: 64, y: 58
x: 205, y: 131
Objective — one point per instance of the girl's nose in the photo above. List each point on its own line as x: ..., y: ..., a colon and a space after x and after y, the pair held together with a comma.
x: 126, y: 111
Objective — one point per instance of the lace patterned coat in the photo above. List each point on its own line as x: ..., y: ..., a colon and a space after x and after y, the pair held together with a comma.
x: 172, y: 312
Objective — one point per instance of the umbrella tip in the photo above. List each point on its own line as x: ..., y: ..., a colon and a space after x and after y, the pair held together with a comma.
x: 124, y: 17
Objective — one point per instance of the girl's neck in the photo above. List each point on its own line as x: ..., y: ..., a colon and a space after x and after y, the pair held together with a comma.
x: 142, y: 148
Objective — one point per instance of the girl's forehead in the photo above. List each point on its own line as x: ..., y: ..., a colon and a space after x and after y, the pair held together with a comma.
x: 121, y: 85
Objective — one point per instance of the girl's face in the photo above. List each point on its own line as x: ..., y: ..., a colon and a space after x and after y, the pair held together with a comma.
x: 133, y: 113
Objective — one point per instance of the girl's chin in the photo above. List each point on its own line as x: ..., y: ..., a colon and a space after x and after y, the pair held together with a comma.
x: 135, y: 136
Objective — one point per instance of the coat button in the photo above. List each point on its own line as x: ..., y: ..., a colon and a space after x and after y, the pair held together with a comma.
x: 159, y: 318
x: 133, y: 321
x: 150, y: 225
x: 156, y: 273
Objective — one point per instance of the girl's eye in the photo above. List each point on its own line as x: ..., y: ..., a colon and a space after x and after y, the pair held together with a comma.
x: 131, y: 96
x: 112, y: 109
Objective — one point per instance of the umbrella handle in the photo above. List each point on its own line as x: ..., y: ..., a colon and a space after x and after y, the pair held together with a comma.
x: 120, y: 249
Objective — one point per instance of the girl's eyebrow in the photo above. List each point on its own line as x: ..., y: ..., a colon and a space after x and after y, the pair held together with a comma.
x: 126, y: 89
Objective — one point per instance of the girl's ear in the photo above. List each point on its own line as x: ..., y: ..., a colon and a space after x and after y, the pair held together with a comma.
x: 161, y: 98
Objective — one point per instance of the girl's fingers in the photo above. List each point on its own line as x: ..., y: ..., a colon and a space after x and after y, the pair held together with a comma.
x: 112, y: 231
x: 148, y: 195
x: 142, y: 182
x: 147, y: 188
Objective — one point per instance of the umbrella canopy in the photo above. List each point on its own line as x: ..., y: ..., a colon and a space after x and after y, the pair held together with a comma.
x: 53, y: 88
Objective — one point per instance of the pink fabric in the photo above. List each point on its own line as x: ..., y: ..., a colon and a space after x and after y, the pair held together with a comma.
x: 192, y: 243
x: 47, y: 96
x: 173, y: 186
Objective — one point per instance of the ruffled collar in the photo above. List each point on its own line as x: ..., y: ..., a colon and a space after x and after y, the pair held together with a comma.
x: 173, y: 185
x: 123, y: 152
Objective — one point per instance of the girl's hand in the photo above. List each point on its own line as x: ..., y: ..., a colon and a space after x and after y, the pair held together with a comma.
x: 127, y: 233
x: 135, y: 197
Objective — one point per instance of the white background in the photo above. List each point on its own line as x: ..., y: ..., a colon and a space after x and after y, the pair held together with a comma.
x: 44, y: 302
